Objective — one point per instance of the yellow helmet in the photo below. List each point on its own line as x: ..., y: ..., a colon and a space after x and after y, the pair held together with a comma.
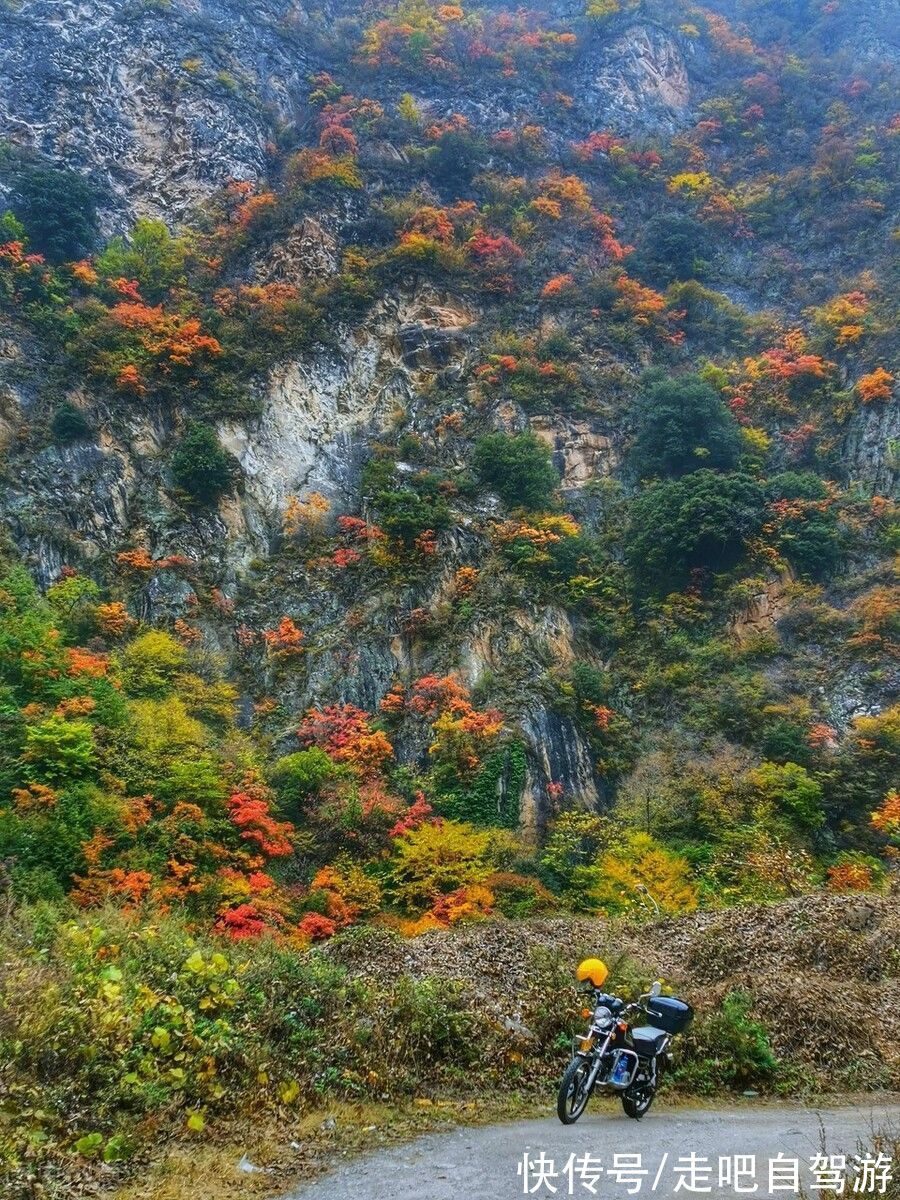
x: 594, y: 970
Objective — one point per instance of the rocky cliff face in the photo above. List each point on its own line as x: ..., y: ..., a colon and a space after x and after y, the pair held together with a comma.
x: 164, y: 102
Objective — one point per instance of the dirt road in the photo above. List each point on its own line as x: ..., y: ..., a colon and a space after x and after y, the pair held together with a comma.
x: 488, y: 1163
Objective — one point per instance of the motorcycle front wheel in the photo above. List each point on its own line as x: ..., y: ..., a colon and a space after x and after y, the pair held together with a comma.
x: 574, y: 1091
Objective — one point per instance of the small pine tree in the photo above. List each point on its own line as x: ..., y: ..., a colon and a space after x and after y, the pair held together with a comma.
x: 201, y: 467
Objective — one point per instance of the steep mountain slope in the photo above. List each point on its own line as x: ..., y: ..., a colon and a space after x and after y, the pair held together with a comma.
x: 403, y: 227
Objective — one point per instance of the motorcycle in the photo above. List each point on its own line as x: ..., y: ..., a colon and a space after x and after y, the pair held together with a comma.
x: 620, y: 1057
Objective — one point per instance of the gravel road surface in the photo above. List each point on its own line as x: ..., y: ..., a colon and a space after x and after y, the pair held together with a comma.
x: 487, y: 1163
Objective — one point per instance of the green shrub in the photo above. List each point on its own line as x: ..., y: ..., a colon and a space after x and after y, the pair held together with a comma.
x: 518, y: 467
x: 671, y: 247
x: 58, y: 210
x: 810, y: 537
x: 702, y: 520
x: 150, y: 255
x: 69, y: 424
x: 297, y: 777
x: 57, y: 750
x: 791, y: 791
x: 682, y: 424
x: 726, y: 1048
x: 492, y: 797
x: 405, y: 513
x: 201, y: 467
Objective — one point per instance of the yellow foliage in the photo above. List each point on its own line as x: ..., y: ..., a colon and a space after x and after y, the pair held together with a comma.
x: 408, y: 110
x: 691, y: 183
x: 598, y: 10
x: 616, y: 882
x: 307, y: 517
x: 164, y: 727
x: 879, y: 731
x: 756, y: 440
x: 208, y: 701
x: 150, y: 662
x: 436, y: 859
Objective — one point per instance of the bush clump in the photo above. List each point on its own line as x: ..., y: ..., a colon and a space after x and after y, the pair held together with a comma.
x: 727, y: 1048
x: 683, y: 425
x: 518, y: 467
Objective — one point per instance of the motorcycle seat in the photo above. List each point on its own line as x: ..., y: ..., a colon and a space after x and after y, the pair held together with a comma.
x: 648, y: 1040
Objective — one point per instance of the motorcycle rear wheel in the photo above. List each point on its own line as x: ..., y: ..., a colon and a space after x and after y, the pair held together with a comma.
x: 637, y: 1099
x: 574, y: 1092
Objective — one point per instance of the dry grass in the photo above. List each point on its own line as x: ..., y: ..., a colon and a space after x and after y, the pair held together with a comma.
x: 286, y: 1154
x: 793, y: 958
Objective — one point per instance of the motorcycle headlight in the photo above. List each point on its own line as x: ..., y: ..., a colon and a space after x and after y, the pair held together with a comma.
x: 602, y: 1015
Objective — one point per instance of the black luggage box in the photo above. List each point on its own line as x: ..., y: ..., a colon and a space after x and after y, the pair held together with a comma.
x: 666, y: 1012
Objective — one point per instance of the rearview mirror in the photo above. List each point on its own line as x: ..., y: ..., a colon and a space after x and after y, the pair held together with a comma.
x: 655, y: 989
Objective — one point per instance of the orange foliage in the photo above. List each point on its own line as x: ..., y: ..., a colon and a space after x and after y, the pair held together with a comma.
x: 878, y: 385
x: 249, y: 211
x: 462, y: 732
x: 37, y: 797
x: 609, y: 244
x: 345, y: 734
x: 426, y: 543
x: 75, y: 706
x: 113, y: 619
x: 307, y: 517
x: 887, y: 818
x: 597, y: 143
x: 850, y: 877
x: 494, y: 251
x: 432, y: 222
x: 469, y: 903
x: 543, y: 206
x: 642, y: 304
x: 822, y: 737
x: 724, y: 37
x: 129, y: 380
x: 556, y: 286
x: 135, y: 813
x: 83, y: 662
x: 792, y: 359
x: 318, y: 166
x: 99, y: 886
x: 137, y: 560
x: 140, y: 560
x: 286, y: 641
x: 568, y: 191
x: 249, y: 811
x: 83, y: 272
x: 464, y: 580
x: 316, y: 928
x: 171, y: 339
x: 187, y: 634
